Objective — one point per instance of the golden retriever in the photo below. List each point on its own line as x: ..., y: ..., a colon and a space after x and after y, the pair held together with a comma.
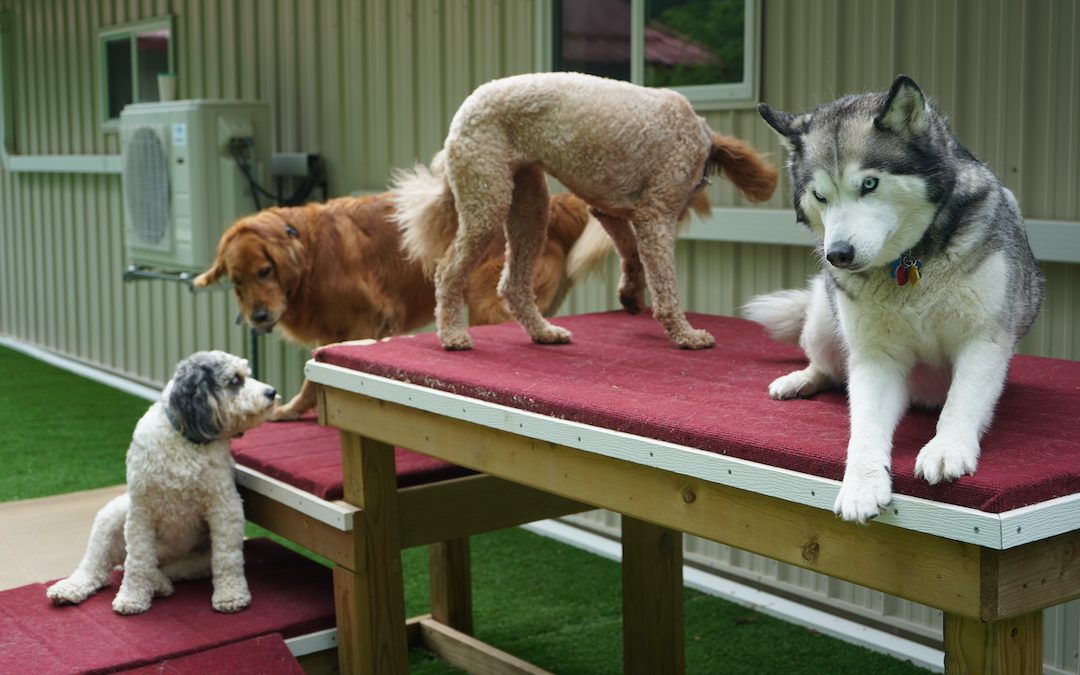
x: 334, y: 271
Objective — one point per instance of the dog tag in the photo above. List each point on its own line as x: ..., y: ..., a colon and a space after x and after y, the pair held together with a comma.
x: 913, y: 275
x: 901, y: 275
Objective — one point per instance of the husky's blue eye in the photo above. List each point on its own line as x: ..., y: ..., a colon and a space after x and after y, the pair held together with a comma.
x: 817, y: 196
x: 869, y: 184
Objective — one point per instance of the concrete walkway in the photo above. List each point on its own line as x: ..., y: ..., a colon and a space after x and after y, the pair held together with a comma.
x: 44, y: 539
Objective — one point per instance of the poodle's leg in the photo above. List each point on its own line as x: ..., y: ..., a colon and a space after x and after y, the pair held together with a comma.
x: 226, y: 520
x: 104, y: 551
x: 656, y: 243
x: 300, y: 404
x: 142, y: 578
x: 194, y: 566
x: 526, y: 232
x: 483, y: 201
x: 632, y: 279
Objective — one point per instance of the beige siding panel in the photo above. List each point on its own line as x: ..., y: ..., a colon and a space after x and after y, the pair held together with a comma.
x: 372, y: 85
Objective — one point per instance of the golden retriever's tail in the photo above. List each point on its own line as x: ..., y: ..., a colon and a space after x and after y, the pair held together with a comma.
x: 745, y: 167
x: 424, y: 212
x: 593, y: 246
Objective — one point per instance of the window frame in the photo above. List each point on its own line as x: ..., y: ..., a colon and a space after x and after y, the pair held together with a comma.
x: 703, y: 97
x: 129, y: 31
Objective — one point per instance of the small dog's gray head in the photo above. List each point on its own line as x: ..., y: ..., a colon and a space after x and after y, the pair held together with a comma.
x: 868, y: 171
x: 211, y: 396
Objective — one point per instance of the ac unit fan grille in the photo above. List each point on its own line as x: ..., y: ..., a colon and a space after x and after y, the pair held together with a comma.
x: 146, y: 181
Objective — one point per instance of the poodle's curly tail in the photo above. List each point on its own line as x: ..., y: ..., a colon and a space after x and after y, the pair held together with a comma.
x: 745, y: 167
x: 424, y: 212
x: 783, y: 313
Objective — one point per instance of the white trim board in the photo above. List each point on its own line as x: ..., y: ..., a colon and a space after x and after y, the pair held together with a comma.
x: 1051, y: 240
x: 338, y: 515
x: 991, y: 530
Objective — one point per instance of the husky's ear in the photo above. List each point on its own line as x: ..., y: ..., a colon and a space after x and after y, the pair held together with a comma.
x: 789, y: 126
x: 904, y: 111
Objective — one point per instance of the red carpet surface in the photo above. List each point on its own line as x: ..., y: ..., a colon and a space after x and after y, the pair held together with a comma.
x: 307, y: 456
x: 621, y: 372
x: 290, y: 595
x: 263, y: 655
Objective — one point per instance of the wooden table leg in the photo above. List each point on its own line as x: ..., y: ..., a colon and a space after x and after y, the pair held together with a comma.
x: 1009, y: 647
x: 450, y: 581
x: 370, y: 600
x: 653, y: 630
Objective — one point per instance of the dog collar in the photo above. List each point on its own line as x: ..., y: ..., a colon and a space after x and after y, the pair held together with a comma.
x: 906, y: 269
x: 180, y: 429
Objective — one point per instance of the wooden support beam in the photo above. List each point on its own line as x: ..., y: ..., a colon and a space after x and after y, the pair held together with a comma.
x: 924, y: 568
x: 450, y: 581
x: 1008, y: 647
x: 470, y: 654
x: 370, y: 600
x: 281, y: 519
x: 654, y: 640
x: 1034, y: 576
x: 460, y: 507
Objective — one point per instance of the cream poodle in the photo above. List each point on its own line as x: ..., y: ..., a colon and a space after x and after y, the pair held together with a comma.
x: 636, y: 155
x: 181, y: 517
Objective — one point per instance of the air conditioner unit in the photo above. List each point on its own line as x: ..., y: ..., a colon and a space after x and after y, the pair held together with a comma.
x: 182, y: 186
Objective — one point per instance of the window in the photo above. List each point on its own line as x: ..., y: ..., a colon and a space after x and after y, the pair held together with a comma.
x: 702, y: 48
x: 132, y: 57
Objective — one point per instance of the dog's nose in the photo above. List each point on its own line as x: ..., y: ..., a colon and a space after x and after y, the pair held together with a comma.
x: 841, y: 255
x: 271, y: 393
x: 259, y: 315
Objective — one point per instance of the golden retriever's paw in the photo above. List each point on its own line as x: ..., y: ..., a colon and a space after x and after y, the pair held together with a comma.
x: 695, y: 339
x: 552, y: 335
x: 455, y: 341
x: 285, y: 413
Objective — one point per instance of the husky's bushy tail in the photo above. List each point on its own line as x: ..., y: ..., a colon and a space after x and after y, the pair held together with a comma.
x: 744, y: 166
x: 782, y: 313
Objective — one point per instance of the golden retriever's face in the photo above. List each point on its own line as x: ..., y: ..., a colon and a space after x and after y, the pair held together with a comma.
x: 261, y: 256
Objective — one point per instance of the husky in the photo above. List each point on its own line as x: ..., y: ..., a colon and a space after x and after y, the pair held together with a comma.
x: 927, y: 282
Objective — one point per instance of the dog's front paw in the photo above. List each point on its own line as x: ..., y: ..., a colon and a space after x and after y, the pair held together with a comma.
x: 552, y: 335
x: 455, y: 340
x: 864, y: 494
x: 284, y: 413
x: 230, y: 600
x: 73, y: 590
x: 944, y: 459
x: 127, y: 602
x: 695, y: 339
x: 789, y: 386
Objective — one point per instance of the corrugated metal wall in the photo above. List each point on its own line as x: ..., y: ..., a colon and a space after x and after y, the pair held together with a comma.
x: 372, y: 84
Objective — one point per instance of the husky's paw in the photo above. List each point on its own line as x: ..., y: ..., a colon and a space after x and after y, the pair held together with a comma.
x: 73, y: 590
x: 128, y: 602
x: 455, y: 340
x: 552, y: 335
x: 231, y: 595
x: 695, y: 339
x: 944, y: 459
x: 790, y: 386
x: 864, y: 494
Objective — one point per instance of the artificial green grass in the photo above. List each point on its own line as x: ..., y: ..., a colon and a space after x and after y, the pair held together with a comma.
x: 60, y: 432
x: 548, y: 603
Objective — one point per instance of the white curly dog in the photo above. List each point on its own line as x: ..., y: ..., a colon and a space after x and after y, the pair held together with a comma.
x: 636, y: 155
x: 181, y: 517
